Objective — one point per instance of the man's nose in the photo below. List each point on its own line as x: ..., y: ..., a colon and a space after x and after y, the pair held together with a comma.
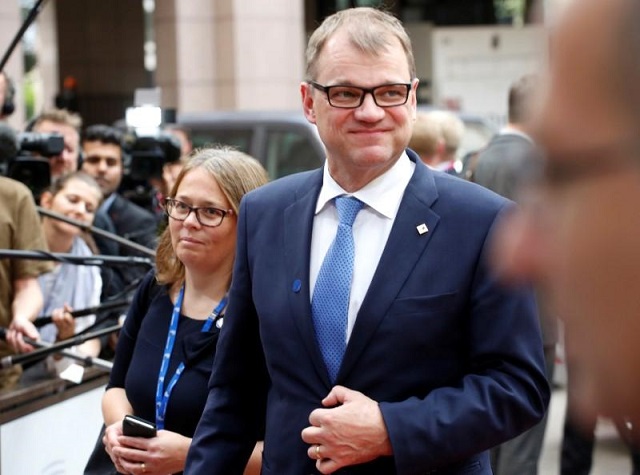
x: 102, y: 165
x: 369, y: 110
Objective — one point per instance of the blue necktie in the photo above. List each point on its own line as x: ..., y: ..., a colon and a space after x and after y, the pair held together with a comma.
x: 330, y: 302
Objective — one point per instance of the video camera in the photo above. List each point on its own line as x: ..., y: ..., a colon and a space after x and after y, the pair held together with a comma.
x: 149, y: 148
x: 43, y: 144
x: 25, y: 156
x: 150, y: 153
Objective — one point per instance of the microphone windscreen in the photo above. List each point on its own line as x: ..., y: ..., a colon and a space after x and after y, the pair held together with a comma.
x: 9, y: 145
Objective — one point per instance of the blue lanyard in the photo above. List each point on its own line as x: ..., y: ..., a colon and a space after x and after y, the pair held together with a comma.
x: 162, y: 394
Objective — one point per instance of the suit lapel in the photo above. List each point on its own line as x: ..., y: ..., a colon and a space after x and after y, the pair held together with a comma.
x: 298, y: 225
x: 403, y: 250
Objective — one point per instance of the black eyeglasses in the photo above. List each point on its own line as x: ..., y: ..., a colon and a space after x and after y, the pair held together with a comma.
x: 209, y: 216
x: 352, y: 97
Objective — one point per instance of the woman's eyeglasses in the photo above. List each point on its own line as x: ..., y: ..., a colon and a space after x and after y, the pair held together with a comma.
x: 209, y: 216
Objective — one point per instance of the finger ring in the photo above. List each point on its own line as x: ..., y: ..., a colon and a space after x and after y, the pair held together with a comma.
x: 143, y: 468
x: 318, y: 452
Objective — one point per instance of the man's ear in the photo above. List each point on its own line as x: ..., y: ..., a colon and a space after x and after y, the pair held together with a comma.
x: 308, y: 103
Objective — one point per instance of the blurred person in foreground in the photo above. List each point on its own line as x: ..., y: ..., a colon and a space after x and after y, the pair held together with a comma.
x: 68, y: 286
x: 425, y: 362
x: 20, y: 295
x: 578, y: 233
x: 502, y: 166
x: 176, y: 316
x: 68, y: 124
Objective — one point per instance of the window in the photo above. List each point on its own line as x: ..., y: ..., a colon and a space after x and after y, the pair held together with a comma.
x: 289, y: 152
x: 238, y: 138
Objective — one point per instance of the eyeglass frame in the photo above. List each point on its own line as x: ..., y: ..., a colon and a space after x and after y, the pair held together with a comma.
x: 195, y: 209
x: 365, y: 91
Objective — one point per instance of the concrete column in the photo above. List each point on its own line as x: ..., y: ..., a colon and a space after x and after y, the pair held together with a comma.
x: 45, y: 76
x: 269, y: 51
x: 229, y: 54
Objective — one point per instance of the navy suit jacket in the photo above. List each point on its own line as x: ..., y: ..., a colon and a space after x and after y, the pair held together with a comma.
x: 454, y: 359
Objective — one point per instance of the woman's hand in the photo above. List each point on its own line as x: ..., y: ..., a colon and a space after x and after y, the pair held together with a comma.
x: 165, y: 453
x: 111, y: 442
x: 64, y: 322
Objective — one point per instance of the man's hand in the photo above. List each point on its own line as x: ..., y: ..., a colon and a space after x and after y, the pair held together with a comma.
x: 18, y: 330
x: 350, y: 431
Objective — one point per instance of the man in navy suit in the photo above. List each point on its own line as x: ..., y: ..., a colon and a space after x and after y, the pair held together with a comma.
x: 441, y: 363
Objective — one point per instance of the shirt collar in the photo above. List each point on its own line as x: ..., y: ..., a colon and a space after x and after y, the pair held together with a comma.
x: 106, y: 204
x: 507, y: 130
x: 382, y: 194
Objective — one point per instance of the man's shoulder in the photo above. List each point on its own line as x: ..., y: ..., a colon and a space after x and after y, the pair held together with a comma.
x: 12, y: 189
x: 467, y: 195
x: 505, y: 146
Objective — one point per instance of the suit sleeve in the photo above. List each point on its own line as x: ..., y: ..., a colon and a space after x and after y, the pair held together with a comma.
x: 503, y: 392
x: 233, y: 418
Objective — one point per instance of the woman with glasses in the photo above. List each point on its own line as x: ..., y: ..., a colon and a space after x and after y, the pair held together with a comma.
x: 166, y: 348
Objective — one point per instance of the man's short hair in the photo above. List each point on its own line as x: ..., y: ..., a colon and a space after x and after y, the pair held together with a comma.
x: 426, y: 135
x: 369, y: 29
x: 104, y: 134
x: 520, y: 94
x: 451, y: 128
x: 59, y: 116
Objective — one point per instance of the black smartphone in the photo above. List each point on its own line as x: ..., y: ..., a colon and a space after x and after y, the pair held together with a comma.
x: 134, y: 426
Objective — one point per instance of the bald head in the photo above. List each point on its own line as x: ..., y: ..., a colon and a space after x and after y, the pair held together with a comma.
x: 594, y: 90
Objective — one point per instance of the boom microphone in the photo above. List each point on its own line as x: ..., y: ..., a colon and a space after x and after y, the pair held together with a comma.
x: 94, y: 260
x: 86, y: 360
x: 9, y: 361
x: 100, y: 232
x: 42, y: 321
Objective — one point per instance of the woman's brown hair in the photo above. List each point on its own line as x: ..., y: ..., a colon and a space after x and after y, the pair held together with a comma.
x: 236, y: 174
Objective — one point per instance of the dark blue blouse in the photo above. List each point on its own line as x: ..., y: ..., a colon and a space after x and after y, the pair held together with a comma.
x: 139, y: 353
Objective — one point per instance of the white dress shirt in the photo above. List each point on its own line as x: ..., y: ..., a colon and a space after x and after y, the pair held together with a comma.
x: 371, y: 228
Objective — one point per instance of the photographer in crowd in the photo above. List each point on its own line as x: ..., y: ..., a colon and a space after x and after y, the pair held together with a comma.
x: 69, y: 125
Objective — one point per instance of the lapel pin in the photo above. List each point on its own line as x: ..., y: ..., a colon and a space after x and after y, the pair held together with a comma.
x: 297, y: 285
x: 422, y: 228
